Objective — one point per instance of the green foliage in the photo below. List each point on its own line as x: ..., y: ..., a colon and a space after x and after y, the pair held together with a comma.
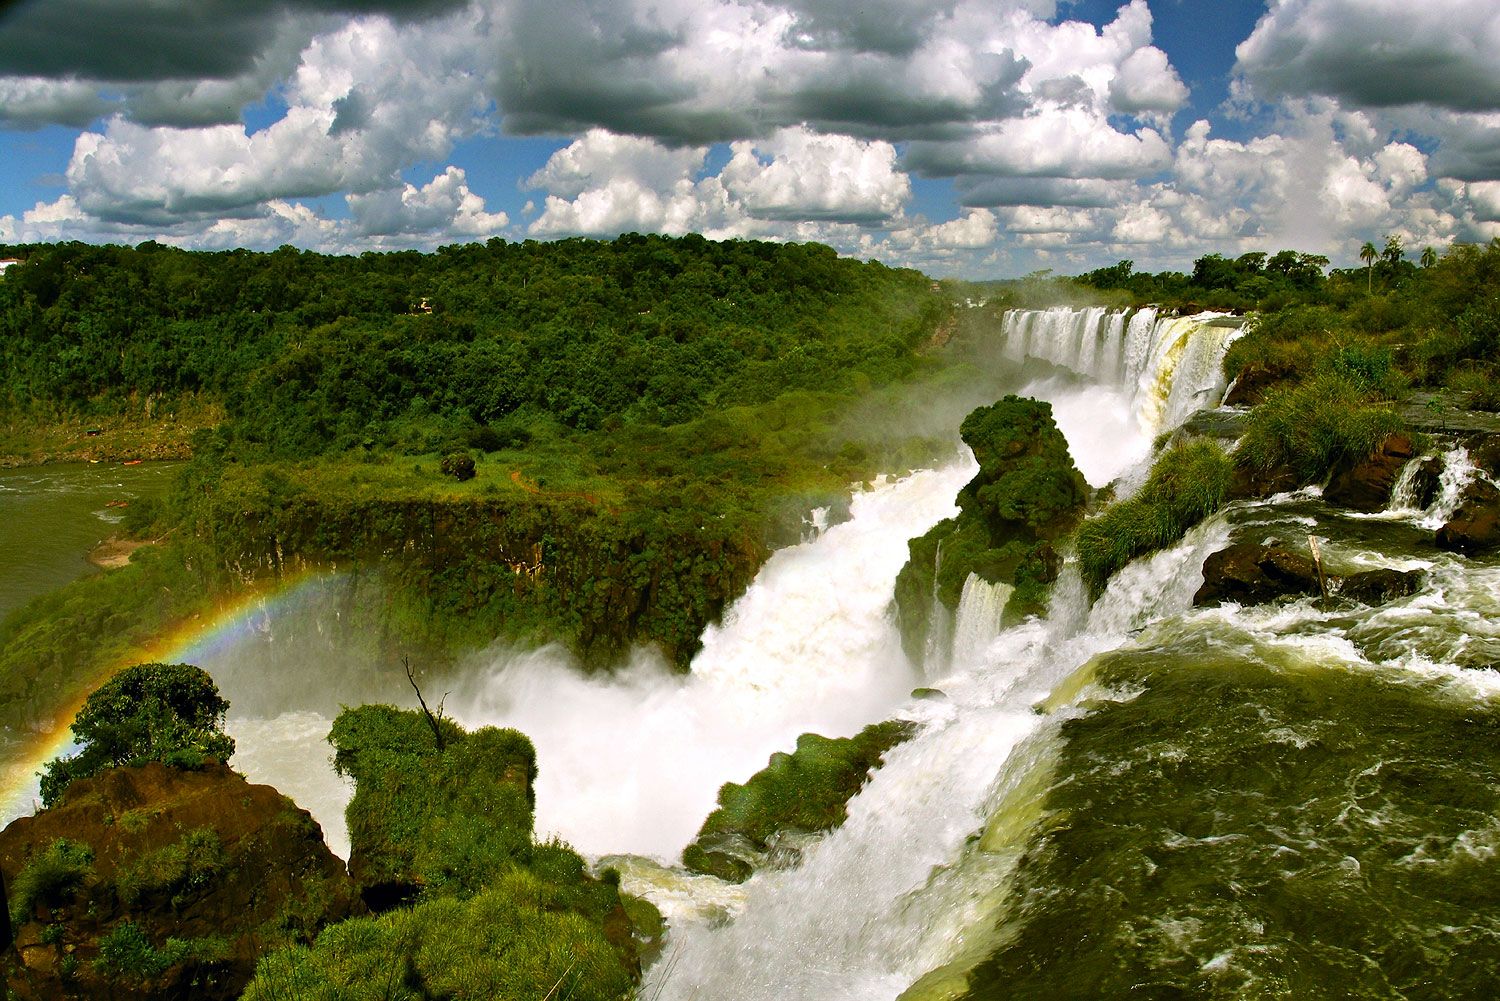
x: 126, y: 952
x: 442, y: 822
x: 1187, y: 483
x: 1307, y: 428
x: 178, y: 873
x: 807, y: 790
x: 1250, y: 281
x: 1026, y: 494
x: 459, y: 465
x: 150, y: 712
x: 49, y: 877
x: 515, y: 939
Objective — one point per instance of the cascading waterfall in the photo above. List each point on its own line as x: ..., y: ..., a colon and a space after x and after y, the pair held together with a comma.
x: 1167, y: 366
x: 976, y: 623
x: 886, y: 898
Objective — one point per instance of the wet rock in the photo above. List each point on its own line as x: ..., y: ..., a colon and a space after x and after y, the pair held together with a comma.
x: 1250, y: 573
x: 1376, y: 587
x: 929, y: 694
x: 1254, y: 381
x: 1247, y: 484
x: 1365, y: 484
x: 1427, y: 482
x: 179, y: 880
x: 1484, y: 452
x: 1475, y: 526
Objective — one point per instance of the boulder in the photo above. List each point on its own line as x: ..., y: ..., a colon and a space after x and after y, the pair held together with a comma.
x: 155, y: 882
x: 1484, y: 452
x: 1254, y: 381
x: 1250, y: 573
x: 1364, y: 484
x: 1475, y: 526
x: 1376, y: 587
x: 1248, y: 484
x: 1427, y: 482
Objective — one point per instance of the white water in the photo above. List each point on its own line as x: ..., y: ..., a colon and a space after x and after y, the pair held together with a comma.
x: 1166, y: 367
x: 887, y: 896
x: 632, y: 762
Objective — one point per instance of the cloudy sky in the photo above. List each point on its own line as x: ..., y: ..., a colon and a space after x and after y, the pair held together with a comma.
x: 967, y: 137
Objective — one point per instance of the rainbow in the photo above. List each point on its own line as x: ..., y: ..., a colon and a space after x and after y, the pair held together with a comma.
x: 201, y: 640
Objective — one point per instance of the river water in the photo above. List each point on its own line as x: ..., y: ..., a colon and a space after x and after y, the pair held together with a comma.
x: 1126, y: 798
x: 53, y: 515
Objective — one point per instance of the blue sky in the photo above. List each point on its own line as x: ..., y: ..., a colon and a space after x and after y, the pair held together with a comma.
x: 967, y: 137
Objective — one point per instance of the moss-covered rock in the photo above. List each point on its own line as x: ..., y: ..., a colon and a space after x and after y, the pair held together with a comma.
x: 1026, y: 494
x: 804, y: 792
x: 155, y: 882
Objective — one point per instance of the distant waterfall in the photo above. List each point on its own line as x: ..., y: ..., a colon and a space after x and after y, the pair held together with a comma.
x: 1168, y: 366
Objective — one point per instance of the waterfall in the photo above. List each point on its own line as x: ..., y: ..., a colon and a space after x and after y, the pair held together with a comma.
x: 888, y: 896
x: 977, y: 621
x: 630, y: 762
x: 1167, y: 366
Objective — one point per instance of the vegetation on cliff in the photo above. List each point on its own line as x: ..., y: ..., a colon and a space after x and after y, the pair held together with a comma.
x: 171, y: 713
x: 806, y: 791
x: 1188, y: 482
x: 1026, y: 495
x: 442, y: 840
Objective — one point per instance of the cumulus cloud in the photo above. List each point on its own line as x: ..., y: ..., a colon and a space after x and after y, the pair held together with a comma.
x: 417, y: 96
x: 443, y: 207
x: 1378, y: 53
x: 798, y: 174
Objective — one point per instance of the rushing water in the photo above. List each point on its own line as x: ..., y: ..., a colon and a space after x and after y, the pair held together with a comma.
x: 1131, y: 797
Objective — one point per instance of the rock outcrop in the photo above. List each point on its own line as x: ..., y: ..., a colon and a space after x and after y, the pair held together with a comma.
x: 1475, y: 525
x: 1365, y: 484
x: 1250, y: 573
x: 154, y: 882
x: 765, y: 821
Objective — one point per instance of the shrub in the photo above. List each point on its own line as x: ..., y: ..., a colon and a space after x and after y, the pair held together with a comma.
x: 459, y: 465
x: 1188, y: 482
x: 444, y: 821
x: 513, y: 940
x: 180, y: 871
x: 1308, y: 428
x: 150, y: 712
x: 127, y: 952
x: 49, y: 877
x: 807, y: 790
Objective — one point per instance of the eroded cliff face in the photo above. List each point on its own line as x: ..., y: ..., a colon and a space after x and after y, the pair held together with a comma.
x: 1026, y: 495
x: 537, y: 568
x: 154, y: 882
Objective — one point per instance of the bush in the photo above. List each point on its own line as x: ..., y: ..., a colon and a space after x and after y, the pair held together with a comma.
x: 49, y: 877
x: 171, y: 713
x: 513, y: 940
x: 127, y: 952
x: 438, y: 821
x: 459, y: 465
x: 180, y: 871
x: 807, y: 790
x: 1188, y: 482
x: 1308, y: 428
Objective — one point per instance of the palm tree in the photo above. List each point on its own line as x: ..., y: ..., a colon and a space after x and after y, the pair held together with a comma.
x: 1368, y: 253
x: 1429, y: 257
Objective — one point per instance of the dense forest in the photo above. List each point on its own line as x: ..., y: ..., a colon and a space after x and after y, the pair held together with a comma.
x: 311, y: 353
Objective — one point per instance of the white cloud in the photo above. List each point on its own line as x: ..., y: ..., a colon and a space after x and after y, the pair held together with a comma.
x: 1378, y: 53
x: 443, y: 207
x: 798, y: 174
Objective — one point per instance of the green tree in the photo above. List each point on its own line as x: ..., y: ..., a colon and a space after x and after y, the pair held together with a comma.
x: 1368, y: 253
x: 171, y: 713
x: 1429, y: 257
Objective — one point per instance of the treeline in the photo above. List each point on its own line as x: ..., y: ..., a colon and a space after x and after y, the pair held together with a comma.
x: 313, y: 353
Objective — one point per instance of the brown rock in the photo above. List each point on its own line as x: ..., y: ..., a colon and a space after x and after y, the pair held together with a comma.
x: 1475, y: 526
x: 1365, y: 484
x: 1248, y: 484
x: 1250, y: 574
x: 265, y: 878
x: 1376, y: 587
x: 1484, y: 452
x: 1427, y: 482
x: 1254, y: 380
